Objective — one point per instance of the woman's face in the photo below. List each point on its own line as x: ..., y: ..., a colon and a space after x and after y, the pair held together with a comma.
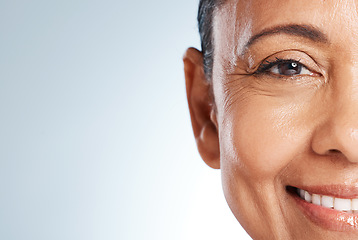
x: 285, y: 83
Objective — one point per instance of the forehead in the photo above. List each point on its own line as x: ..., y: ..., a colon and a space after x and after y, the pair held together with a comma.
x: 236, y: 22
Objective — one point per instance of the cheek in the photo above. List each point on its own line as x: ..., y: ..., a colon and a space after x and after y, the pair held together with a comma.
x: 261, y: 138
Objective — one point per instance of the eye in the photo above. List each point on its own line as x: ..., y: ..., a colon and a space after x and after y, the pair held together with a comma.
x: 284, y: 68
x: 290, y: 68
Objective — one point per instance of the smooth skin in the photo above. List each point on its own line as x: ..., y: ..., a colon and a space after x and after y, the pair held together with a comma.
x: 267, y: 130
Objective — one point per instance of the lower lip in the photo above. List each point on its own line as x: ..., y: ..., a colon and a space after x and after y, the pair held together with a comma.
x: 328, y: 218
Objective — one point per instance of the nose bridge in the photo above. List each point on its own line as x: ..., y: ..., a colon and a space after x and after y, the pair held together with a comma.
x: 344, y: 84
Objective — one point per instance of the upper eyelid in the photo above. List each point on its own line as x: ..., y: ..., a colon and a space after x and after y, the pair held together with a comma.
x: 300, y: 51
x: 315, y: 62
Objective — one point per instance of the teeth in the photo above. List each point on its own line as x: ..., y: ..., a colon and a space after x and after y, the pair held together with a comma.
x: 327, y: 201
x: 339, y: 204
x: 355, y: 204
x: 342, y: 204
x: 316, y: 199
x: 308, y: 197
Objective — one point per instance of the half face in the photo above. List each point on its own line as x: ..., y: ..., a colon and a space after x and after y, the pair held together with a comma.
x: 285, y: 81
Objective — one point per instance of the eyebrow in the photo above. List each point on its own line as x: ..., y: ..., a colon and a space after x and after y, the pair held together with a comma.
x: 305, y: 31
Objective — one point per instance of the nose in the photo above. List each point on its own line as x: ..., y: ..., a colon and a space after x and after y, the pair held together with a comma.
x: 338, y: 133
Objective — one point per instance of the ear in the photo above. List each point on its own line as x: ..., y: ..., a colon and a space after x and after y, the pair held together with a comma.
x: 201, y: 106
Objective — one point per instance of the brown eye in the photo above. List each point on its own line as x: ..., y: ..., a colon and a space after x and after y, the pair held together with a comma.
x: 289, y: 68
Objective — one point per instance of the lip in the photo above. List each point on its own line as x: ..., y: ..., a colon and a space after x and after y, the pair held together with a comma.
x: 327, y: 218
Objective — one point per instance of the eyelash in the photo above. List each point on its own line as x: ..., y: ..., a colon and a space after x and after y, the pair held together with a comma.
x: 267, y: 65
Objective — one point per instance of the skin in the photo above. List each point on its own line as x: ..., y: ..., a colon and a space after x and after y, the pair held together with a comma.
x: 266, y: 131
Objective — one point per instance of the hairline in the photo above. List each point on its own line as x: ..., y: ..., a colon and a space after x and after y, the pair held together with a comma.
x: 206, y: 13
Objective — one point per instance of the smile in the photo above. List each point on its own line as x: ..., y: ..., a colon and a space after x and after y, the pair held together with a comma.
x: 339, y: 204
x: 333, y: 207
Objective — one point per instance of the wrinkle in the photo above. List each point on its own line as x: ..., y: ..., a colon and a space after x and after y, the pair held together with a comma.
x: 241, y: 90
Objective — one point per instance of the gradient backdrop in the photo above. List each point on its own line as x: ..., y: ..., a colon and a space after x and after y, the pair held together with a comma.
x: 95, y: 138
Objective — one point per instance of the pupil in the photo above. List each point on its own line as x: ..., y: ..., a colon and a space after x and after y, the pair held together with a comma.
x: 289, y: 69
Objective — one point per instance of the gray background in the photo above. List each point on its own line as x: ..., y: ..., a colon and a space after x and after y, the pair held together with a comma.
x: 95, y: 138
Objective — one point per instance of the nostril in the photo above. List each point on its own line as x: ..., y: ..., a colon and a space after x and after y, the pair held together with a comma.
x: 334, y: 151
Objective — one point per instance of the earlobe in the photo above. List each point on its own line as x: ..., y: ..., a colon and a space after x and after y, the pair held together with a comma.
x: 202, y: 113
x: 208, y: 145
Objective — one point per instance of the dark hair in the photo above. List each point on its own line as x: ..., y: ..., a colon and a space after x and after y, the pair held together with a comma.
x: 205, y: 22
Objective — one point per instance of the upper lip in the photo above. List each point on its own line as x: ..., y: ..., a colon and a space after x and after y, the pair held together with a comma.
x: 336, y: 190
